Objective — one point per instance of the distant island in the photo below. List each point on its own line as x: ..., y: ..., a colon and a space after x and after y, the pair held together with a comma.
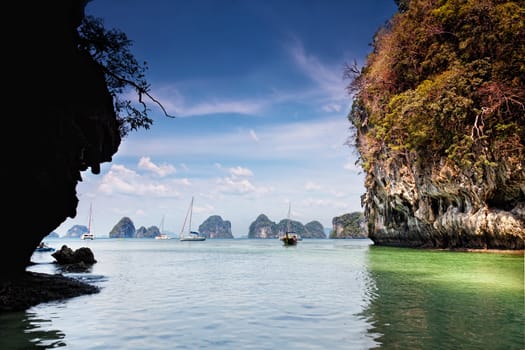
x: 350, y: 225
x: 214, y: 228
x: 264, y: 228
x: 52, y: 235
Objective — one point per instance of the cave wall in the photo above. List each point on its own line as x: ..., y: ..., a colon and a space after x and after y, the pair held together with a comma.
x: 61, y: 117
x: 411, y: 203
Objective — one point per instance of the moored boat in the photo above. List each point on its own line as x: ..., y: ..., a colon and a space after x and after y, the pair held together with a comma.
x: 289, y: 237
x: 44, y: 247
x: 191, y: 236
x: 88, y: 234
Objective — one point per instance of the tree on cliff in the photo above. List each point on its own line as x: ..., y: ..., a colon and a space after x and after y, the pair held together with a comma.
x: 111, y: 50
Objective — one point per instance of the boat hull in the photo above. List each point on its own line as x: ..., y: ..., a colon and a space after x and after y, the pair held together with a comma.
x: 289, y: 241
x: 191, y: 239
x: 47, y: 249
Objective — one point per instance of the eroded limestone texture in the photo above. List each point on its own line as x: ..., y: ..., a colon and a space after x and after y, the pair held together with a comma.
x: 415, y: 204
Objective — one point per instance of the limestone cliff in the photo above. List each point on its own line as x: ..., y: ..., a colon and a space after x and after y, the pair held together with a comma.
x: 123, y: 229
x: 216, y: 227
x: 61, y: 117
x: 314, y: 229
x: 149, y: 232
x: 351, y: 225
x: 443, y: 207
x: 76, y: 231
x: 439, y: 115
x: 263, y: 227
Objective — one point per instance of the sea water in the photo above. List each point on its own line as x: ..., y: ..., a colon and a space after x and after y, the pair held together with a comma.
x: 258, y: 294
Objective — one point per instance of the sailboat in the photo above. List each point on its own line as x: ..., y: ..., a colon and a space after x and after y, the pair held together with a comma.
x: 88, y: 234
x: 192, y: 235
x: 162, y: 235
x: 289, y: 237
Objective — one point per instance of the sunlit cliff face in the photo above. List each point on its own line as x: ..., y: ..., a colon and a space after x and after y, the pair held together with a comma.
x: 407, y: 208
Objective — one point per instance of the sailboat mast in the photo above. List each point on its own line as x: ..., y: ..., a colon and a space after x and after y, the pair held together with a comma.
x: 89, y: 219
x: 288, y: 222
x: 191, y: 214
x: 188, y: 214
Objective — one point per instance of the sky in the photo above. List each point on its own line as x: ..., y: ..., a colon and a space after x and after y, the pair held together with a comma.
x: 260, y: 105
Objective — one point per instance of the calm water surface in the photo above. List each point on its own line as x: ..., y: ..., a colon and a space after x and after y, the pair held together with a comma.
x: 257, y: 294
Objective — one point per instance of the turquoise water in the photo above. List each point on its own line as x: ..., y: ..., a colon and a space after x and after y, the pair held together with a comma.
x: 257, y: 294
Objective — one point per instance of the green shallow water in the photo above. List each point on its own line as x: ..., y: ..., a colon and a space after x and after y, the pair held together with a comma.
x: 446, y: 300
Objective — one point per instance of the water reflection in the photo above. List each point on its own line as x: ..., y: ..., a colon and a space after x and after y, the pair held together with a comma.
x: 445, y: 300
x: 25, y: 330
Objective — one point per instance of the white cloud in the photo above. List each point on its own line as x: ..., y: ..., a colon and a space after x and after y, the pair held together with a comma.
x: 160, y: 170
x: 234, y: 185
x: 309, y: 140
x: 312, y: 186
x: 329, y: 79
x: 351, y: 166
x: 183, y: 182
x: 177, y: 105
x: 121, y: 180
x: 240, y: 171
x: 332, y: 107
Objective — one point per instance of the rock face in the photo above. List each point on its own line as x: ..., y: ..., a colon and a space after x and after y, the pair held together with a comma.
x: 76, y: 231
x: 314, y: 229
x: 150, y: 232
x: 123, y: 229
x: 66, y: 116
x: 215, y: 227
x: 67, y: 255
x: 445, y: 208
x: 351, y: 225
x: 263, y: 228
x: 438, y: 112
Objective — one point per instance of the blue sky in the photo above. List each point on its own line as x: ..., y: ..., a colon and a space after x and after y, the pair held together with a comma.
x: 261, y: 110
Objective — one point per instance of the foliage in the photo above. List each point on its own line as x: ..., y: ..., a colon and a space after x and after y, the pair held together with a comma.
x: 111, y: 50
x: 445, y: 80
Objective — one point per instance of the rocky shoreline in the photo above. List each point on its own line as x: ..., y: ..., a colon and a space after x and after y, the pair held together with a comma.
x: 21, y: 291
x: 32, y: 288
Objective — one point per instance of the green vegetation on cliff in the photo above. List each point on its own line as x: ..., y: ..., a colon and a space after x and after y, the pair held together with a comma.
x: 445, y: 79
